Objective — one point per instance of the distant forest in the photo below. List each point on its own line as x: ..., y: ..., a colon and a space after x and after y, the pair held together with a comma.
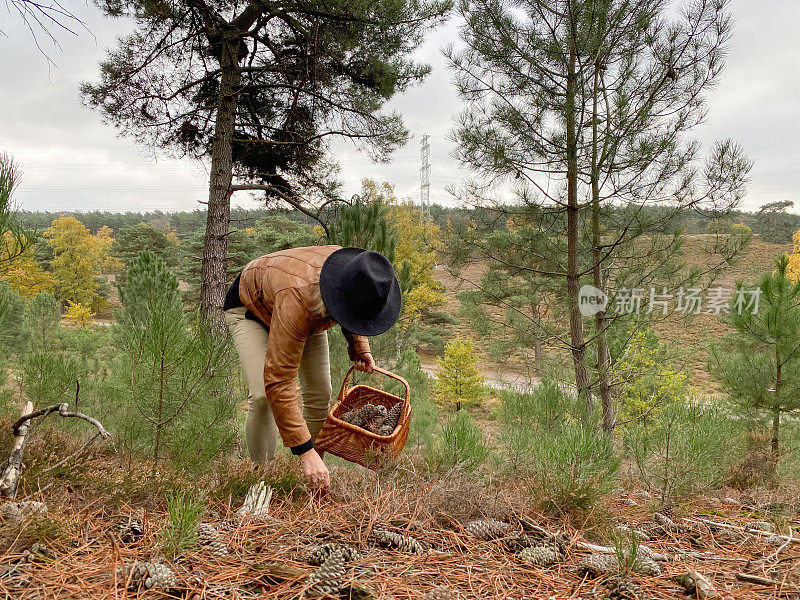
x: 772, y: 222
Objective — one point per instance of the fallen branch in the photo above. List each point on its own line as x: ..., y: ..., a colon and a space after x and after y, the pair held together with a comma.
x: 62, y: 411
x: 757, y: 579
x: 531, y: 526
x: 13, y: 466
x: 782, y: 546
x: 788, y: 539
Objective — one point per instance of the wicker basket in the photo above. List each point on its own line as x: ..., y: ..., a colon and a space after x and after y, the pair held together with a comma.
x: 359, y: 445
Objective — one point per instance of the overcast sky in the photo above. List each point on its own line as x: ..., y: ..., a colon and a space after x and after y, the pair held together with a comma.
x: 72, y: 161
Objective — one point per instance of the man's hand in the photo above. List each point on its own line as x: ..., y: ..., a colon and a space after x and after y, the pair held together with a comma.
x: 364, y: 362
x: 314, y: 470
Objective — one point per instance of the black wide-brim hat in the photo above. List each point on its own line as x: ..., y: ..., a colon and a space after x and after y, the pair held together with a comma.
x: 360, y: 290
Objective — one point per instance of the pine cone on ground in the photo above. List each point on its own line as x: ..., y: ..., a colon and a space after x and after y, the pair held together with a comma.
x: 128, y: 530
x: 603, y: 564
x: 668, y: 524
x: 147, y: 575
x: 328, y: 579
x: 39, y: 552
x: 381, y: 536
x: 441, y: 592
x: 760, y: 526
x: 320, y: 553
x: 543, y: 556
x: 598, y: 564
x: 629, y: 530
x: 514, y: 542
x: 487, y: 529
x: 210, y: 539
x: 624, y: 589
x: 646, y: 566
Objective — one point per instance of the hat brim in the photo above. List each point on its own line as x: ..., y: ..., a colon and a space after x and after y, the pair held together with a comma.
x: 334, y: 299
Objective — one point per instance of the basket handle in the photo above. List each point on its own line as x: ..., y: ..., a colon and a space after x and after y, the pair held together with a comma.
x: 376, y: 370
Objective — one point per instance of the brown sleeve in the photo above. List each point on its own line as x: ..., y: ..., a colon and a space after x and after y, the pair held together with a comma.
x: 288, y: 332
x: 356, y: 344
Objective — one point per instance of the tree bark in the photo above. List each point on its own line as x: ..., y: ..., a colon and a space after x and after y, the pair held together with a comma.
x: 603, y: 352
x: 577, y: 343
x: 215, y: 243
x: 776, y: 413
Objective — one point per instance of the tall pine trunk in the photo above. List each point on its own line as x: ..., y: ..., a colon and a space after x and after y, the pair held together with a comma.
x: 603, y: 352
x: 215, y: 244
x: 577, y: 343
x: 776, y: 413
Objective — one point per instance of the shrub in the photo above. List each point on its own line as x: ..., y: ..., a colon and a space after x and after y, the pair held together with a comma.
x: 79, y: 314
x: 757, y: 466
x: 424, y: 414
x: 689, y: 449
x: 647, y: 383
x: 459, y: 443
x: 547, y: 435
x: 574, y: 468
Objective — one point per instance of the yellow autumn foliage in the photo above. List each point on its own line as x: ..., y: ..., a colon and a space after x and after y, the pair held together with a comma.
x: 793, y: 269
x: 79, y: 314
x: 74, y: 264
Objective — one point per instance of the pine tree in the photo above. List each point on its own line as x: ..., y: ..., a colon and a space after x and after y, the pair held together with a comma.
x: 13, y: 333
x: 522, y: 296
x: 261, y: 88
x: 174, y: 371
x: 364, y: 222
x: 457, y: 377
x: 759, y: 365
x: 12, y: 236
x: 42, y: 318
x: 581, y: 105
x: 134, y: 239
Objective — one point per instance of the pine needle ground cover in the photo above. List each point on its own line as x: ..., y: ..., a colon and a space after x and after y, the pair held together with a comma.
x: 74, y: 549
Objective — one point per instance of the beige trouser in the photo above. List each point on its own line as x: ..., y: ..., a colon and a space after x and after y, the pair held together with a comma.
x: 251, y: 339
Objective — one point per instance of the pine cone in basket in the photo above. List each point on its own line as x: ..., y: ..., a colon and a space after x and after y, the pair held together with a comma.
x: 543, y: 556
x: 328, y: 579
x: 386, y: 431
x: 382, y: 536
x: 487, y: 529
x: 370, y: 417
x: 353, y: 417
x: 393, y: 417
x: 377, y: 418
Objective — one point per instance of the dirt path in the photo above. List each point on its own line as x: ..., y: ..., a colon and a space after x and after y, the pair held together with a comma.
x: 501, y: 380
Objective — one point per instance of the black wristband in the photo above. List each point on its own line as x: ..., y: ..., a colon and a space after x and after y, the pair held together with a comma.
x: 302, y: 448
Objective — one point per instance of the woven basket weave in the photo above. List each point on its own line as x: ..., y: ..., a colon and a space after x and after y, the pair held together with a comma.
x: 359, y: 445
